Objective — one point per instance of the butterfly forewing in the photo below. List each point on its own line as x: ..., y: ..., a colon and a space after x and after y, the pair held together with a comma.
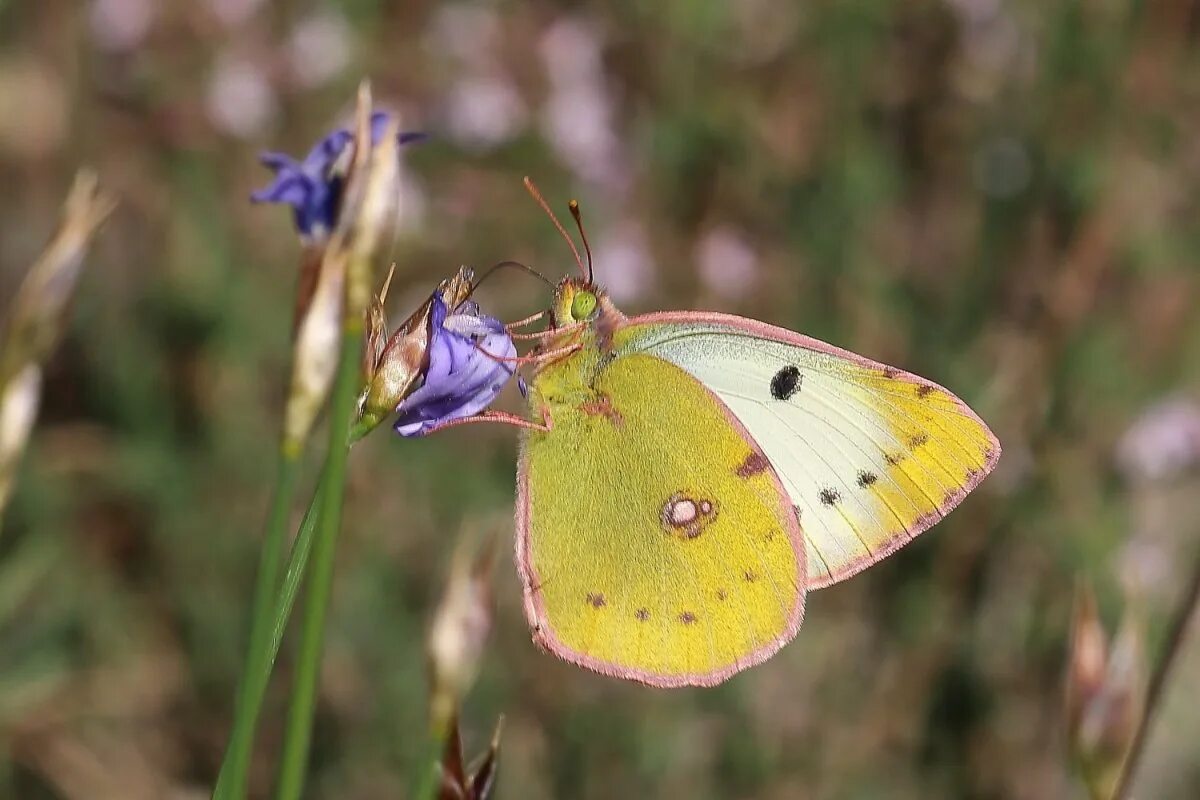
x: 654, y: 539
x: 869, y: 455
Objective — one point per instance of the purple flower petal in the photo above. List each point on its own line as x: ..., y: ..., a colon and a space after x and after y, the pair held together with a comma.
x: 313, y: 187
x: 461, y: 380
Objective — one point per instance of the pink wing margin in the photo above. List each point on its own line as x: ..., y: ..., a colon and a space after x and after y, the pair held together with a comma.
x: 539, y: 623
x: 767, y: 331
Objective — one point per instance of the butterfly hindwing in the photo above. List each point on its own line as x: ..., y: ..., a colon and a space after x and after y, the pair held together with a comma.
x: 870, y: 455
x: 655, y: 542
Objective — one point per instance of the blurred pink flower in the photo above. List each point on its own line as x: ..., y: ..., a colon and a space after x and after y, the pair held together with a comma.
x: 577, y: 124
x: 319, y: 48
x: 727, y: 262
x: 1163, y: 442
x: 570, y: 49
x: 241, y: 101
x: 577, y: 119
x: 120, y: 25
x: 485, y: 111
x: 468, y: 32
x: 234, y: 12
x: 625, y: 260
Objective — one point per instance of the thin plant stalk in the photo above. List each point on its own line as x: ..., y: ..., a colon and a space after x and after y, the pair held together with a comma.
x: 429, y: 771
x: 281, y: 612
x: 1156, y: 691
x: 231, y: 782
x: 298, y: 734
x: 315, y: 345
x: 294, y: 575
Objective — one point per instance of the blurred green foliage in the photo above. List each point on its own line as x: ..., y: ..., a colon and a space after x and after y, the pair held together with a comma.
x: 998, y: 195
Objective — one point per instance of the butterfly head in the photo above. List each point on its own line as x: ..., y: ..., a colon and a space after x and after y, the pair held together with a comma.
x: 576, y: 301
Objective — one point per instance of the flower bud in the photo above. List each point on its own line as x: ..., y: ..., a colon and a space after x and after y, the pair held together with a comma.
x: 314, y: 352
x: 371, y: 204
x: 18, y: 409
x: 1105, y: 695
x: 37, y: 319
x: 1088, y: 656
x: 459, y: 631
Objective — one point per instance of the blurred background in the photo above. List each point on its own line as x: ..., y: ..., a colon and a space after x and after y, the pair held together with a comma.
x: 1001, y: 196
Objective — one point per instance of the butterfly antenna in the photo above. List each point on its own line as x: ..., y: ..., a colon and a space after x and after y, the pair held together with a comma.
x: 574, y: 206
x: 492, y: 270
x: 538, y: 197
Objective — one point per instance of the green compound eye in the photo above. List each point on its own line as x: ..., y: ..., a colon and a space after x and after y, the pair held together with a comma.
x: 582, y: 305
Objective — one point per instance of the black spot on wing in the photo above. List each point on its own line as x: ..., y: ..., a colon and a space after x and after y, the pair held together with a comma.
x: 786, y: 382
x: 865, y: 478
x: 830, y: 496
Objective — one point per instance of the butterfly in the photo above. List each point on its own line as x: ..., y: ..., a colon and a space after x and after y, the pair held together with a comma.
x: 693, y: 475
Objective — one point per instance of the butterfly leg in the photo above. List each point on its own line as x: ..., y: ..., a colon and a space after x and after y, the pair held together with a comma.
x: 501, y: 417
x: 552, y: 331
x: 538, y: 360
x: 521, y: 323
x: 549, y: 355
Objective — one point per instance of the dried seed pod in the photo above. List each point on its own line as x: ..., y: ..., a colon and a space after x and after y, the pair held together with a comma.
x: 38, y: 317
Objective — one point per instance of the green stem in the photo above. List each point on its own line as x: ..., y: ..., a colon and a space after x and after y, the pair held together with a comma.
x: 293, y: 576
x: 429, y: 769
x: 1157, y: 689
x: 295, y: 570
x: 298, y: 734
x: 231, y: 782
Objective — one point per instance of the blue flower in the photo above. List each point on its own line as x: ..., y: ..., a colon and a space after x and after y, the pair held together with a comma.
x: 461, y: 380
x: 313, y: 187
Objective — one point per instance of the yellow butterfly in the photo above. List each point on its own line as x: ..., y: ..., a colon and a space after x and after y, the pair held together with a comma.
x: 695, y: 474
